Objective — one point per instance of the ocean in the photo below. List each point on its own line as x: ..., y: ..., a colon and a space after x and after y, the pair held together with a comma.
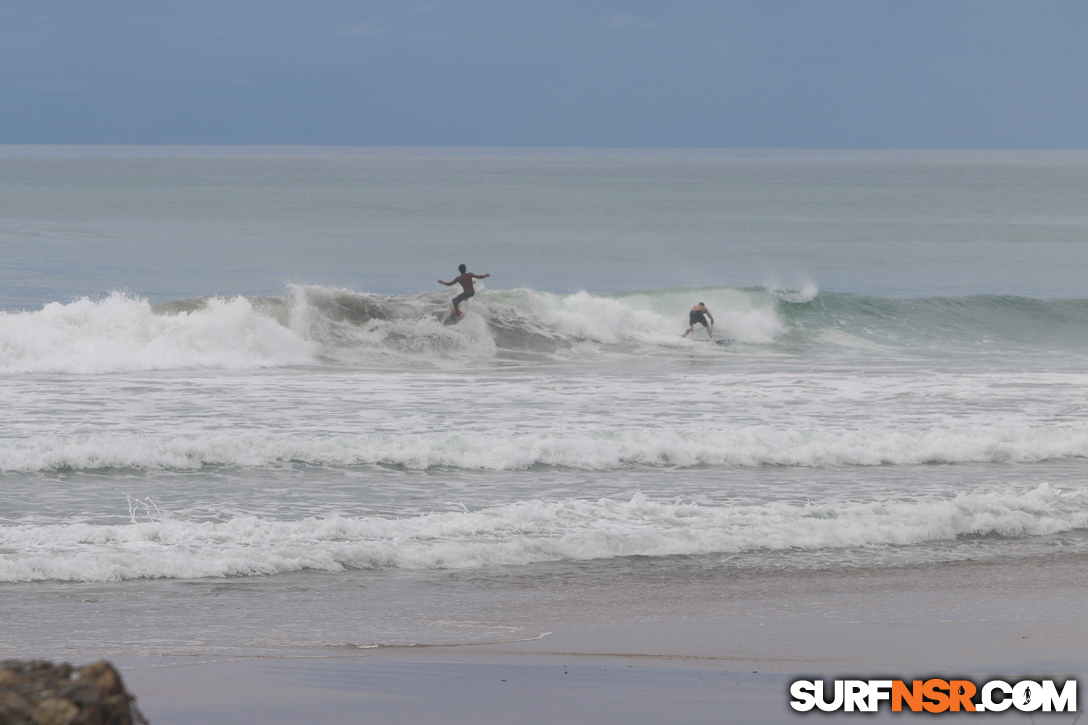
x: 236, y: 423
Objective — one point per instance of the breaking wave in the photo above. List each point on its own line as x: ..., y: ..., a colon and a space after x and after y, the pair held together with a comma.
x: 319, y: 325
x: 758, y: 445
x: 520, y: 533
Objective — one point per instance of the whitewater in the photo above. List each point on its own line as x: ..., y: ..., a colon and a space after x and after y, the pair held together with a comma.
x: 216, y: 383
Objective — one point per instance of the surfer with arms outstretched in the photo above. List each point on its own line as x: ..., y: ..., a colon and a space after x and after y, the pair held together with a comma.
x: 698, y: 316
x: 468, y: 290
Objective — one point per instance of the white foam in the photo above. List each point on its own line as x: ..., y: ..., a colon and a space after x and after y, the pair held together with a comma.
x: 742, y: 315
x: 589, y: 449
x: 583, y: 323
x: 123, y: 333
x: 519, y: 533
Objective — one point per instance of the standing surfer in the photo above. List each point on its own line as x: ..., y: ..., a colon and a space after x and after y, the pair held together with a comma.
x: 465, y: 280
x: 698, y: 315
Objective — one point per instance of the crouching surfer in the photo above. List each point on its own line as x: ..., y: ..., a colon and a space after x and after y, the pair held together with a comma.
x: 698, y: 316
x: 468, y: 290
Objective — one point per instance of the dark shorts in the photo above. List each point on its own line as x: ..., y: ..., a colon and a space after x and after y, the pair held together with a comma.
x: 695, y: 316
x: 462, y: 297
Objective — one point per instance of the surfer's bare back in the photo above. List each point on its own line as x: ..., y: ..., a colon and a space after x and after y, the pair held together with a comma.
x: 698, y: 316
x: 465, y: 280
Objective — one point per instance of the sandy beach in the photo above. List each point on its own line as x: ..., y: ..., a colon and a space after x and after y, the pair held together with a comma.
x: 977, y: 621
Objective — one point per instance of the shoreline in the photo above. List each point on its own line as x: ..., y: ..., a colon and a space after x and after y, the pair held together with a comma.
x: 976, y: 622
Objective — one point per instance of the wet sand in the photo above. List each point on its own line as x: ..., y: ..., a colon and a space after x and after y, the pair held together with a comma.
x: 979, y: 621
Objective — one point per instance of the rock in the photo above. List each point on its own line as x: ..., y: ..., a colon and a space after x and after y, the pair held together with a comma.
x: 54, y: 711
x: 37, y: 692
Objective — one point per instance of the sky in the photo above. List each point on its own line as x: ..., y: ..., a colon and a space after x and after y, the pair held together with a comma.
x: 989, y: 74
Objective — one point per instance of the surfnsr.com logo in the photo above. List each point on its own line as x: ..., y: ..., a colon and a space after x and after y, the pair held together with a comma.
x: 934, y: 695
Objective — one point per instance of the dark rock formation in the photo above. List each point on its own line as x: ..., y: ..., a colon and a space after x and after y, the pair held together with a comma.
x: 42, y: 693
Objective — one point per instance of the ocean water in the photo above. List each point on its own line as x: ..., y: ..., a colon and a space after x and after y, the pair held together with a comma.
x: 236, y: 424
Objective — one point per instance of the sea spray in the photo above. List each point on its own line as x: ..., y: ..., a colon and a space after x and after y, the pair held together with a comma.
x: 123, y: 333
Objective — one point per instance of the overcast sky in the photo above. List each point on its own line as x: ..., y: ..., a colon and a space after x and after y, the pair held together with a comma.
x: 670, y: 73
